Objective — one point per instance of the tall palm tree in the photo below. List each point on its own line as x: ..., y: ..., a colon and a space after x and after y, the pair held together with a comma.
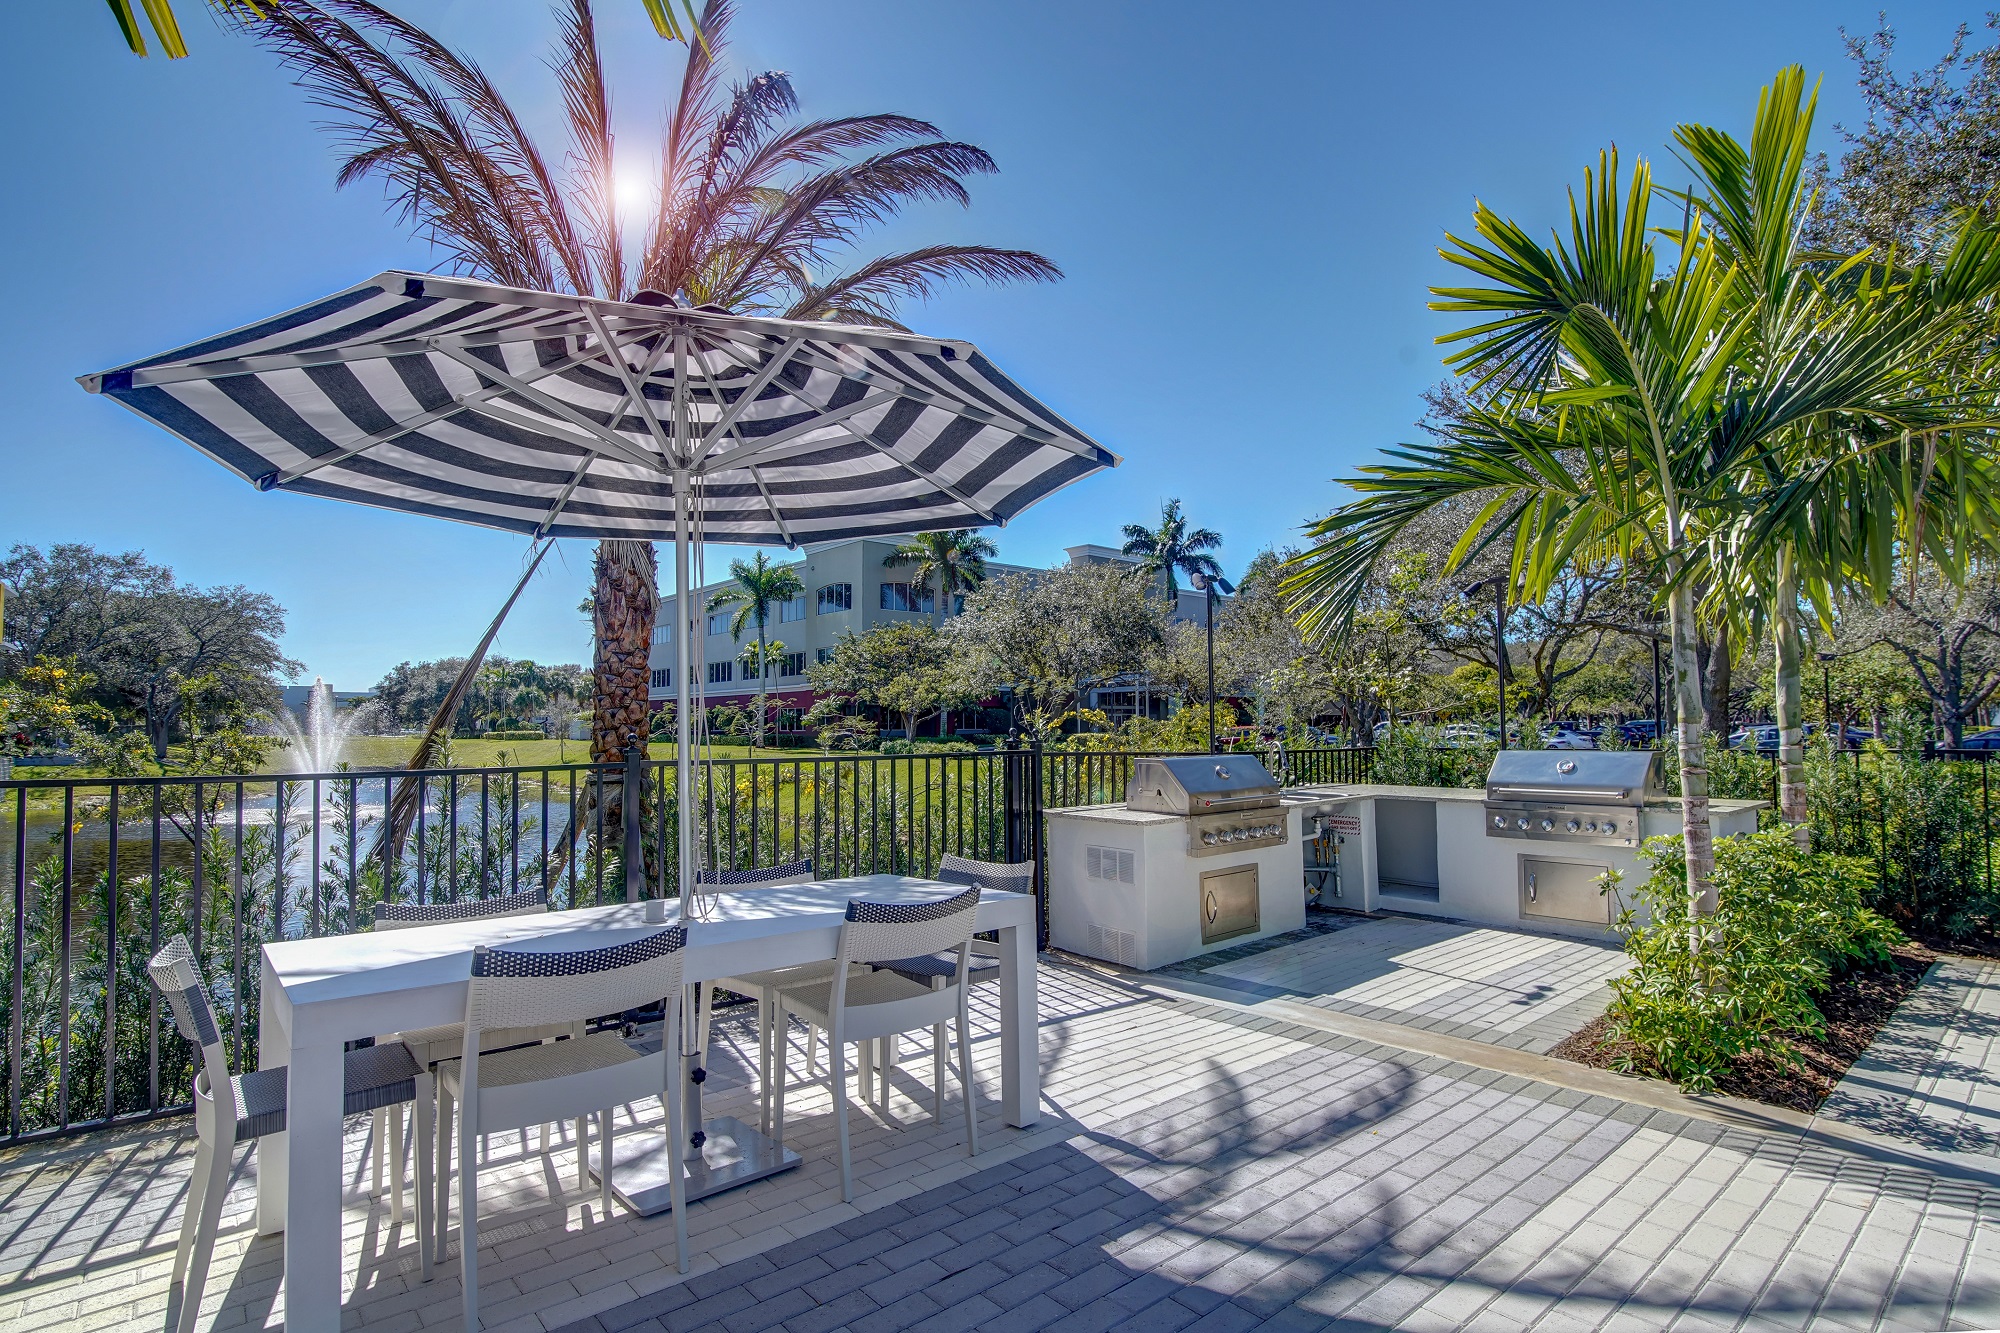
x: 1622, y: 411
x: 1757, y: 203
x: 1171, y: 548
x: 951, y: 562
x: 759, y: 588
x: 754, y: 210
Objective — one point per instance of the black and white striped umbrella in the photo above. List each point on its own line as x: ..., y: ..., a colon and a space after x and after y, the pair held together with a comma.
x: 564, y: 416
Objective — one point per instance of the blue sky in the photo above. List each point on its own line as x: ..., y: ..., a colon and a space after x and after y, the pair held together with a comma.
x: 1247, y: 199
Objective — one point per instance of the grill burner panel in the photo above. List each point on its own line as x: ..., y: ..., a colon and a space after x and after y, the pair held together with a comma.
x: 1576, y: 796
x: 1238, y: 831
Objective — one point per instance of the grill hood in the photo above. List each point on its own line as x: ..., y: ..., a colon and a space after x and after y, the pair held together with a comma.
x: 1594, y: 777
x: 1193, y: 784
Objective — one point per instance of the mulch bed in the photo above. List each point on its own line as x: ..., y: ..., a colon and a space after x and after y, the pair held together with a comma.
x: 1857, y: 1006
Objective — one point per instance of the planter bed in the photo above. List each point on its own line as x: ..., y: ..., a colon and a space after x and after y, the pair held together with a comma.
x: 1857, y: 1005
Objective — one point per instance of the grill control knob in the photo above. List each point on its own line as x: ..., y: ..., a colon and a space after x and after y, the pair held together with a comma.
x: 1548, y: 824
x: 1238, y: 834
x: 1571, y: 827
x: 1590, y: 827
x: 1208, y: 838
x: 1522, y: 823
x: 1499, y: 821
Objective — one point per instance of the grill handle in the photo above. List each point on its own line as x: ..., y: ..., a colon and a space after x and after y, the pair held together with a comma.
x: 1560, y: 793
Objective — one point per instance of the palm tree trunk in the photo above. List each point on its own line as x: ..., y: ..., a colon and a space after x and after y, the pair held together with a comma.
x: 1791, y: 734
x: 763, y: 683
x: 1696, y: 837
x: 625, y: 602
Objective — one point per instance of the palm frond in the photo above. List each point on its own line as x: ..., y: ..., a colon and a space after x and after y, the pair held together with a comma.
x: 918, y: 275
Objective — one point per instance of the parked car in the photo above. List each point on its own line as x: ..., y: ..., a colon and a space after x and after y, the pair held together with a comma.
x: 1465, y: 733
x: 1639, y: 731
x: 1762, y: 739
x: 1988, y: 739
x: 1564, y: 738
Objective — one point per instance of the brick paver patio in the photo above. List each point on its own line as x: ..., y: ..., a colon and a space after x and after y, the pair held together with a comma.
x: 1202, y: 1165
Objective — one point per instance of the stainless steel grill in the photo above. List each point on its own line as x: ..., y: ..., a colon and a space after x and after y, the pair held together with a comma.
x: 1230, y: 801
x: 1587, y: 796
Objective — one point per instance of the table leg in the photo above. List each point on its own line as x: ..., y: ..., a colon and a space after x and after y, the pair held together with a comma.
x: 1020, y: 1044
x: 274, y: 1047
x: 313, y: 1159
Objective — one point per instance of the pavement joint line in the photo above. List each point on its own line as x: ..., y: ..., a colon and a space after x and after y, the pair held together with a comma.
x: 1732, y: 1112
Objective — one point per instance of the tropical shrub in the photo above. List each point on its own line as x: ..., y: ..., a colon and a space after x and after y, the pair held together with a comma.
x: 1787, y: 920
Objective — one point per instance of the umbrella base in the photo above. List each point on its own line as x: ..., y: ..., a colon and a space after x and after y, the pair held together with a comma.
x: 734, y: 1154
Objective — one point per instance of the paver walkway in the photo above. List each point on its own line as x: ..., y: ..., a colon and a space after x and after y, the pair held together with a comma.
x: 1503, y: 987
x: 1354, y: 1187
x: 1932, y: 1077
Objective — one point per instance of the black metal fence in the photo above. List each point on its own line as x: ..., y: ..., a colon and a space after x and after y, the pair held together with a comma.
x: 99, y: 873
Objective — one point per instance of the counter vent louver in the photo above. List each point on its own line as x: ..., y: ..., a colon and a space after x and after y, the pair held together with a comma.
x: 1108, y: 863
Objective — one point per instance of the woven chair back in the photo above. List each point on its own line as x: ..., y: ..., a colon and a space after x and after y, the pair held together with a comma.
x: 176, y: 974
x: 1005, y: 876
x: 403, y: 916
x: 876, y: 932
x: 521, y: 988
x: 756, y: 877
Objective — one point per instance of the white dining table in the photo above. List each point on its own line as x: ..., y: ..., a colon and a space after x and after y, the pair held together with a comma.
x: 318, y: 994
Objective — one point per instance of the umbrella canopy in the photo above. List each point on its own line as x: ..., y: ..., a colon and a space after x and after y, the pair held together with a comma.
x: 566, y: 416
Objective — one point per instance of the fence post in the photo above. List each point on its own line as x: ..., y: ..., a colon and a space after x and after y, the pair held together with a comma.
x: 1022, y: 794
x: 630, y: 804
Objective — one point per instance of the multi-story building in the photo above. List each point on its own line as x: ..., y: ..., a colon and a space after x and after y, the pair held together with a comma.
x: 849, y: 589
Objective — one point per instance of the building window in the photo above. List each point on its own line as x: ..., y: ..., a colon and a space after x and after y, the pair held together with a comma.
x: 907, y: 597
x: 663, y: 631
x: 792, y: 610
x: 718, y: 622
x: 662, y: 677
x: 836, y: 597
x: 823, y: 655
x: 721, y: 673
x: 792, y: 664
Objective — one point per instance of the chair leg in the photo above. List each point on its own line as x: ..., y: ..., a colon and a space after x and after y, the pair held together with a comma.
x: 604, y: 1163
x: 399, y: 1162
x: 937, y: 1074
x: 966, y: 1077
x: 204, y: 1236
x: 441, y: 1174
x: 583, y: 1152
x: 197, y: 1191
x: 836, y: 1064
x: 765, y: 1031
x: 377, y: 1141
x: 468, y: 1209
x: 426, y: 1110
x: 864, y: 1069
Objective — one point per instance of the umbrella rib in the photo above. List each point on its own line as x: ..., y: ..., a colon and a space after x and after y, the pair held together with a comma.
x: 784, y: 528
x: 727, y: 423
x: 747, y: 452
x: 749, y: 395
x: 615, y: 353
x: 507, y: 416
x: 618, y: 444
x: 467, y: 403
x: 329, y: 356
x: 555, y: 509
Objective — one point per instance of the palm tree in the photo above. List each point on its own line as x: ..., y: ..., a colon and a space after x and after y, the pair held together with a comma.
x: 952, y: 562
x: 1171, y: 547
x: 1796, y: 538
x: 160, y: 13
x: 1620, y: 410
x: 759, y: 589
x: 753, y: 212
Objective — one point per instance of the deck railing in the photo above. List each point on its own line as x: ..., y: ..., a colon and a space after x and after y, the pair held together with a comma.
x: 98, y: 873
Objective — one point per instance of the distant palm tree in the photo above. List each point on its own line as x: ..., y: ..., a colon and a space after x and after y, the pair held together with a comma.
x: 951, y: 562
x: 754, y: 212
x: 1171, y: 547
x: 759, y: 589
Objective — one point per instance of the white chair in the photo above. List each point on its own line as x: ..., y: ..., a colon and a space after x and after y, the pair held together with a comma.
x: 759, y: 986
x: 1002, y: 876
x: 532, y: 985
x: 859, y: 1005
x: 434, y: 1045
x: 232, y: 1109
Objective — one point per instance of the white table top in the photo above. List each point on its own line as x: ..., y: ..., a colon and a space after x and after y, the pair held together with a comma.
x: 373, y: 964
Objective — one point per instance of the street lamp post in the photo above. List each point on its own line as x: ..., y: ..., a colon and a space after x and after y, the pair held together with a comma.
x: 1208, y: 587
x: 1499, y: 586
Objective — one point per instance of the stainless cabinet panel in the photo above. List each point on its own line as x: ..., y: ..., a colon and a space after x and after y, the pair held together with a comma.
x: 1564, y: 890
x: 1229, y: 903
